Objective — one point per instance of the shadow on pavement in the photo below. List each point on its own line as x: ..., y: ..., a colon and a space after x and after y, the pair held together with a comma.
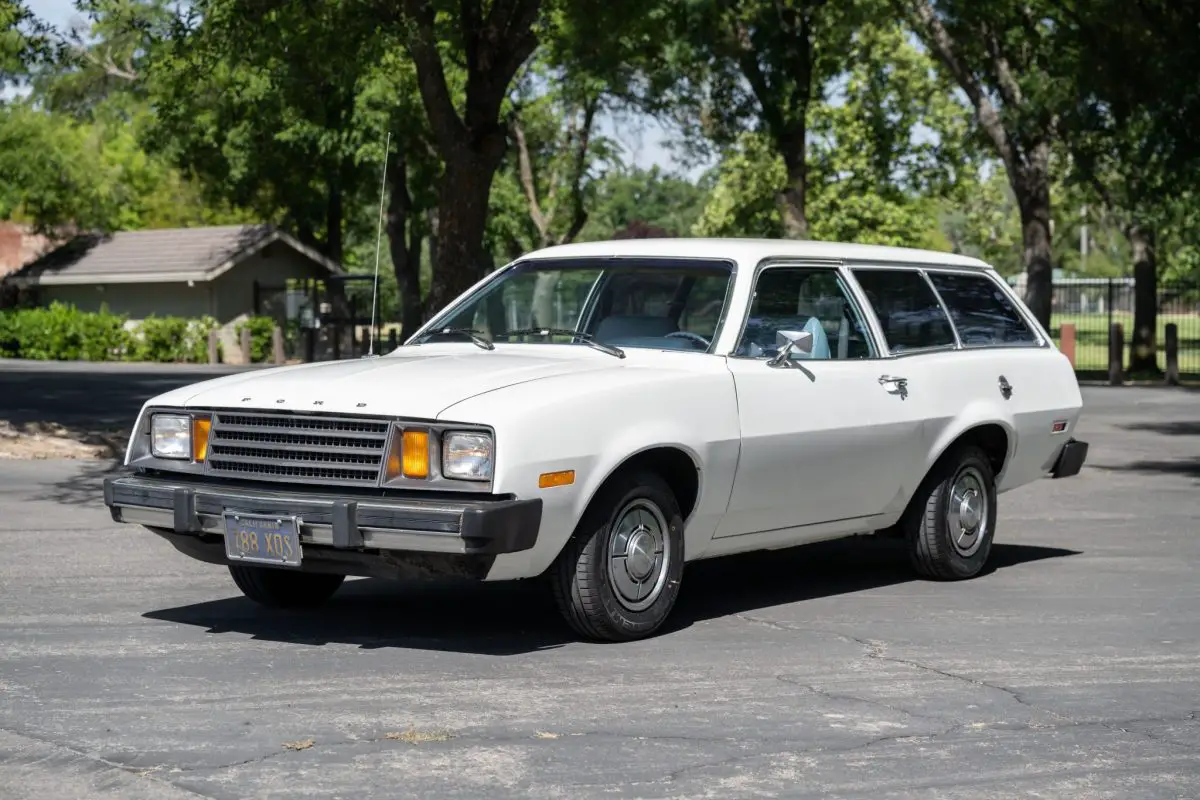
x: 520, y: 617
x: 85, y: 486
x: 1170, y: 428
x: 1189, y: 468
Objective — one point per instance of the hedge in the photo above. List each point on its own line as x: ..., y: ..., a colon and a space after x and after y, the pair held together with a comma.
x: 61, y: 332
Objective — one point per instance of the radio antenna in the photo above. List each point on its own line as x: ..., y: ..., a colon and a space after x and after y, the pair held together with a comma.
x: 378, y: 238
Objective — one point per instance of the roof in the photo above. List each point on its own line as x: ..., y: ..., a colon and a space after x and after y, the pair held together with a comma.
x: 162, y: 255
x: 755, y: 250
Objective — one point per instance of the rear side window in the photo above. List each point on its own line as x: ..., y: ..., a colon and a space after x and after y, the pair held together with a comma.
x: 981, y: 311
x: 908, y: 310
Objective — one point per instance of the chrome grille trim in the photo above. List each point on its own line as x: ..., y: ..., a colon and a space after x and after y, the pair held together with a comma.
x: 297, y: 448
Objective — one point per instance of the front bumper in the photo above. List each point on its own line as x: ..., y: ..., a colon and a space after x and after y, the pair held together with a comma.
x: 336, y: 521
x: 1070, y: 459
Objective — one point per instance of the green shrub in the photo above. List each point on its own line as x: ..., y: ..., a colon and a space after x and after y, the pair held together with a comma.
x: 262, y: 330
x: 62, y: 333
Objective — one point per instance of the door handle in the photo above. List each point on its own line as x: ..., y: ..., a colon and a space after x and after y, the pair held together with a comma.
x: 901, y: 385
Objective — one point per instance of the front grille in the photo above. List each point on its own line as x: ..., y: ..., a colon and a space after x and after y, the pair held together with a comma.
x: 295, y: 448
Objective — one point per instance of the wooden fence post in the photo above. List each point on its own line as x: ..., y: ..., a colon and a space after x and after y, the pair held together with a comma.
x: 277, y: 344
x: 1067, y: 339
x: 1172, y: 343
x: 245, y: 342
x: 1116, y: 355
x: 212, y: 347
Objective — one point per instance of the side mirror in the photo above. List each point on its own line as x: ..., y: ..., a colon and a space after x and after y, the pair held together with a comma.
x: 787, y: 341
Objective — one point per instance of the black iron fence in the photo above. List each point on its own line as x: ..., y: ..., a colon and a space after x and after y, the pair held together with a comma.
x: 1093, y: 305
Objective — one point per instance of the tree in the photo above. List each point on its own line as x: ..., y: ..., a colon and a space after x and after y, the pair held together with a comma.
x: 23, y: 41
x: 1006, y: 59
x: 1127, y: 135
x: 494, y: 42
x: 766, y: 61
x: 870, y: 177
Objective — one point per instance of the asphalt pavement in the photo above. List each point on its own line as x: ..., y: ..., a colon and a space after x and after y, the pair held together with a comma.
x: 1070, y: 670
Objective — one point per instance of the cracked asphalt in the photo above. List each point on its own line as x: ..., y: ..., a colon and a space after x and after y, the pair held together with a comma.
x: 1071, y: 669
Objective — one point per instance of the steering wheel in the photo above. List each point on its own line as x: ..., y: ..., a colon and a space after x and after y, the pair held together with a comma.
x: 695, y: 337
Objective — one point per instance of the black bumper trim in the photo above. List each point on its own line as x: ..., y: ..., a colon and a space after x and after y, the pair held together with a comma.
x: 485, y: 527
x: 1070, y: 459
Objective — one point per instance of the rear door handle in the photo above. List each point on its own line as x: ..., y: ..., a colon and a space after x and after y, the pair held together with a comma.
x: 900, y: 384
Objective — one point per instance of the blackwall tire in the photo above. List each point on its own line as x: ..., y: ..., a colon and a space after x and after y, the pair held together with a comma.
x: 951, y: 522
x: 618, y: 576
x: 279, y: 588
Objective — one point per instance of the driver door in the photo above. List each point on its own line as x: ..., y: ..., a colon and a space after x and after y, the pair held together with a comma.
x: 824, y: 442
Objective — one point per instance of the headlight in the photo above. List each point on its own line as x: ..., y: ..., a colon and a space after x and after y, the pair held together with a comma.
x: 171, y: 436
x: 467, y: 456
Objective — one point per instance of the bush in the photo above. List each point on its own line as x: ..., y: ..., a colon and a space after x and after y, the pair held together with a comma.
x: 262, y: 331
x: 173, y: 339
x: 61, y: 332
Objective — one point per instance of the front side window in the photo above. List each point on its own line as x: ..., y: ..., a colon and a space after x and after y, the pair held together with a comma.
x: 666, y: 304
x: 983, y: 315
x: 908, y: 310
x: 808, y: 299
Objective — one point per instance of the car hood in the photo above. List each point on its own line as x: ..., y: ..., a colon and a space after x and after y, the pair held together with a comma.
x: 418, y: 385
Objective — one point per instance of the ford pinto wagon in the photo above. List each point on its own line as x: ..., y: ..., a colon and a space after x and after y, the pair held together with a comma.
x: 597, y: 415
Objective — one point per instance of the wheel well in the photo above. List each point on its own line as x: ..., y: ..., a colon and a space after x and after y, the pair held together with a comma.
x: 675, y: 467
x: 990, y: 438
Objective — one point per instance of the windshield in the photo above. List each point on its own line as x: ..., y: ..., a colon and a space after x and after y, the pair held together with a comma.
x: 674, y: 304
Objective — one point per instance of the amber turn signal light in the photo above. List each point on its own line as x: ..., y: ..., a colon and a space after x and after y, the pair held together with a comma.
x: 415, y: 454
x: 548, y: 479
x: 201, y: 427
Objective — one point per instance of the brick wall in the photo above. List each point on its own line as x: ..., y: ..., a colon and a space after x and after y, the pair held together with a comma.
x: 18, y: 246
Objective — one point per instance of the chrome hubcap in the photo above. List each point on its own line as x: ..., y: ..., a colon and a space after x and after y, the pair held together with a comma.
x: 638, y: 554
x: 967, y: 511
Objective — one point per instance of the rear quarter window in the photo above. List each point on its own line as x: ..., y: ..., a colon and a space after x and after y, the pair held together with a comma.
x: 982, y: 313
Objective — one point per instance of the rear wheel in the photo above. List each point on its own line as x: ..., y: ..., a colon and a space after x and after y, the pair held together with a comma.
x: 952, y: 519
x: 618, y: 577
x: 279, y: 588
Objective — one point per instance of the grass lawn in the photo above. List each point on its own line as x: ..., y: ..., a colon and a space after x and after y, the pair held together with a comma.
x: 1091, y: 339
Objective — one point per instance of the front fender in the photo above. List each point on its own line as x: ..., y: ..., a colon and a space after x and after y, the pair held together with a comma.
x: 592, y: 424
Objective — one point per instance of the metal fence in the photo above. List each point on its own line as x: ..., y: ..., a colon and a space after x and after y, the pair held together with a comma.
x: 1092, y: 305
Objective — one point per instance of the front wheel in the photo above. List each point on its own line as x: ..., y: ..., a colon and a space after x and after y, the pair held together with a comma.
x: 618, y: 576
x: 279, y: 588
x: 952, y: 519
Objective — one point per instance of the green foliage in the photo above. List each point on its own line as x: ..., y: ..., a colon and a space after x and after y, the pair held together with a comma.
x: 625, y: 196
x: 61, y: 332
x: 22, y: 41
x: 172, y: 339
x: 262, y: 331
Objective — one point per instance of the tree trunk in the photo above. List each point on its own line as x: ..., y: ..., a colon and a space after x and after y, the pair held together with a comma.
x: 406, y: 262
x: 792, y: 199
x: 1143, y: 345
x: 333, y: 222
x: 1031, y: 184
x: 462, y: 217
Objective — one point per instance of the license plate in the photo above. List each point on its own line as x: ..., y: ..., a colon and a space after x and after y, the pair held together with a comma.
x: 262, y: 539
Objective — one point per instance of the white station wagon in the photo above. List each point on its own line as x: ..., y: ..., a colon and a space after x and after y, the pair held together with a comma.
x: 597, y: 415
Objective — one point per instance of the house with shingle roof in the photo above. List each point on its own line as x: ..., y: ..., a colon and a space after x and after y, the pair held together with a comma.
x: 220, y: 271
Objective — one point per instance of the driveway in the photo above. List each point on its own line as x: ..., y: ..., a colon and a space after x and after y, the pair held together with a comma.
x: 1071, y: 669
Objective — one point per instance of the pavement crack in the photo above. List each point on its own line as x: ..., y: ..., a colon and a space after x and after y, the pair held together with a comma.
x: 146, y: 773
x: 856, y: 699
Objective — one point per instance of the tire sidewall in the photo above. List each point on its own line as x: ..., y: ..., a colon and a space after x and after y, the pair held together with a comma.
x: 625, y: 621
x: 966, y: 566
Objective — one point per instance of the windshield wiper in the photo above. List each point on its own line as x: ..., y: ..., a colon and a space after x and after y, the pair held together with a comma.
x: 586, y: 338
x: 470, y: 333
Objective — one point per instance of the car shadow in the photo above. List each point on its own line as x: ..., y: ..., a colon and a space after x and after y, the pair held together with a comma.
x: 515, y: 618
x: 1168, y: 428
